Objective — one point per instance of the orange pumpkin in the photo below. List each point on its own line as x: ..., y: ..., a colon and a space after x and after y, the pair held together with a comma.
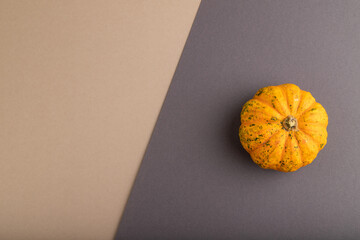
x: 283, y: 128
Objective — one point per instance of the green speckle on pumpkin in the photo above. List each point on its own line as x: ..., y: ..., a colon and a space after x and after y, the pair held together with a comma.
x: 259, y: 92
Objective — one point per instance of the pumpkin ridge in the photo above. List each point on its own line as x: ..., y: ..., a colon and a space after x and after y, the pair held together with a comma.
x: 257, y: 110
x: 275, y: 150
x: 315, y: 123
x: 306, y: 110
x: 283, y: 151
x: 300, y: 152
x: 265, y: 119
x: 262, y: 144
x: 262, y: 112
x: 283, y: 90
x: 262, y: 101
x: 291, y: 153
x: 307, y: 134
x: 300, y: 99
x: 260, y: 122
x: 272, y: 151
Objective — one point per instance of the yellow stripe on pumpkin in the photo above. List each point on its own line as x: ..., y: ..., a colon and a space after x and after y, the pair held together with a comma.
x: 315, y: 131
x: 274, y: 97
x: 292, y: 94
x: 253, y: 135
x: 268, y: 155
x: 291, y: 158
x: 315, y: 114
x: 306, y: 101
x: 309, y: 148
x: 256, y: 111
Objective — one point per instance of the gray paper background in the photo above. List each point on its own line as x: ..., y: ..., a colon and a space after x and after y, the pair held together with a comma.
x: 197, y: 182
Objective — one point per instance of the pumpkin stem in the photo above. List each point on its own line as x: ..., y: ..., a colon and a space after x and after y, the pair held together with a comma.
x: 290, y: 123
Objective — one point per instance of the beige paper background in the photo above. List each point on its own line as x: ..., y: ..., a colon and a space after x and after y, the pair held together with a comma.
x: 81, y: 85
